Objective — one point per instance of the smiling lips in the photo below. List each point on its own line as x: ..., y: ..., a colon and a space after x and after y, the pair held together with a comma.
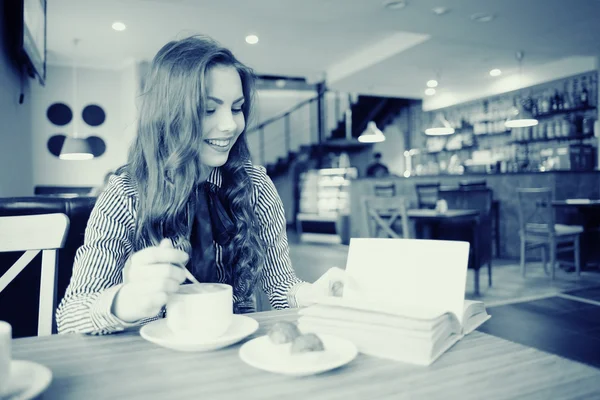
x: 219, y: 144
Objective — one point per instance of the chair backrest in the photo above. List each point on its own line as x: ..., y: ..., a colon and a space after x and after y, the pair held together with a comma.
x: 386, y: 214
x: 427, y: 194
x: 472, y: 184
x: 384, y: 189
x: 535, y: 210
x: 45, y: 233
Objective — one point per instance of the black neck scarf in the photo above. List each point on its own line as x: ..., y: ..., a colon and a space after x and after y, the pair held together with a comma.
x: 212, y: 223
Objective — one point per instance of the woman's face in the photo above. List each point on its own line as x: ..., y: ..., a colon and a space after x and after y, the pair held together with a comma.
x: 223, y: 120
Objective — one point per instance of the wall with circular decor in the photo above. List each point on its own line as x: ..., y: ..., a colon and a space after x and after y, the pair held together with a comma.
x: 60, y: 114
x: 104, y: 115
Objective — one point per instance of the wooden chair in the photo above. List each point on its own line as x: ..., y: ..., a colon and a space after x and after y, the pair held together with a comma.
x: 427, y: 194
x: 45, y: 233
x: 386, y: 215
x: 537, y: 229
x: 384, y: 189
x: 479, y: 234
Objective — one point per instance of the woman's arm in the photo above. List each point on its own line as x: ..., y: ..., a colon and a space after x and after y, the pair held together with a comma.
x: 278, y: 279
x: 97, y: 270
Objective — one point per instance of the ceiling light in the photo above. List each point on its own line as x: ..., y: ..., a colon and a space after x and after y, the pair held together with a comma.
x: 482, y: 17
x: 440, y: 126
x: 440, y: 10
x: 432, y: 83
x: 372, y: 134
x: 251, y: 39
x: 394, y: 4
x: 119, y: 26
x: 430, y: 91
x: 495, y: 72
x: 75, y: 149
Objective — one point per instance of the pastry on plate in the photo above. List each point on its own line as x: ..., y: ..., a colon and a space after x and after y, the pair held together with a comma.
x: 283, y: 332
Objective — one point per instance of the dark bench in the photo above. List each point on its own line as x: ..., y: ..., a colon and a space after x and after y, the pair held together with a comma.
x: 20, y: 300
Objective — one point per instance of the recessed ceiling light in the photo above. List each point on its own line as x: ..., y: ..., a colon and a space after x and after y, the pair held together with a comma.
x: 432, y: 83
x: 440, y: 10
x: 251, y: 39
x: 495, y: 72
x: 394, y: 4
x: 430, y: 91
x: 119, y: 26
x: 482, y: 17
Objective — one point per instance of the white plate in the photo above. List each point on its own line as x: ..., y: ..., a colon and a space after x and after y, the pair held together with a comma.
x: 261, y: 353
x: 159, y: 333
x: 27, y: 380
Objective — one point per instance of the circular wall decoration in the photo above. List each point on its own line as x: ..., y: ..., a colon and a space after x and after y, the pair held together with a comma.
x: 59, y: 114
x: 97, y: 145
x: 93, y: 115
x: 55, y: 144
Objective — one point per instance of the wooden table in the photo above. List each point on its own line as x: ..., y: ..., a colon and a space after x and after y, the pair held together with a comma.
x: 125, y: 366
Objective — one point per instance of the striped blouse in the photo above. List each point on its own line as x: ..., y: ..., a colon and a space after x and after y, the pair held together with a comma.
x: 99, y: 262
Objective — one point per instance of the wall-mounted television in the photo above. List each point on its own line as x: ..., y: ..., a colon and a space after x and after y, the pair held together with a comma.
x: 26, y: 30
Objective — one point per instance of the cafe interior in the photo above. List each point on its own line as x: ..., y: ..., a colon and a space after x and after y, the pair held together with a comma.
x: 412, y: 121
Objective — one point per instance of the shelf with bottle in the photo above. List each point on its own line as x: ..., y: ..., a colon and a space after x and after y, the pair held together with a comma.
x: 563, y: 139
x: 563, y: 111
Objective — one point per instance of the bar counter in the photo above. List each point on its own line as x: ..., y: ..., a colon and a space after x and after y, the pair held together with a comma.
x: 565, y: 185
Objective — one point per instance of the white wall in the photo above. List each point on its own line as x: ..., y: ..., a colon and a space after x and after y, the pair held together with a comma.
x: 114, y: 91
x: 16, y: 172
x: 272, y: 103
x: 392, y: 149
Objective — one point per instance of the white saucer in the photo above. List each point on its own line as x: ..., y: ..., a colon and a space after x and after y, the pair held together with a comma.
x: 158, y: 333
x: 27, y: 380
x: 261, y: 353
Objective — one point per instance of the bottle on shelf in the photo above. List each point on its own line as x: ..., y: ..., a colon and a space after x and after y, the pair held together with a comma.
x: 576, y: 98
x: 566, y: 97
x: 584, y: 94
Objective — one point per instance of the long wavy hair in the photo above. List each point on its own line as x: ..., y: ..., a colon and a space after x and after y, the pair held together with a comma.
x: 165, y: 164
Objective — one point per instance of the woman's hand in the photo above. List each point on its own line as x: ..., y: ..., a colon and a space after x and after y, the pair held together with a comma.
x: 150, y: 275
x: 331, y: 283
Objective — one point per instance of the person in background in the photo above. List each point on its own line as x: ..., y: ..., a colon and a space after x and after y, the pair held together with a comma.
x: 377, y: 169
x: 189, y: 197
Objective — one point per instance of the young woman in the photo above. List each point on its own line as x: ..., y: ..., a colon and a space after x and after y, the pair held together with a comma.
x: 188, y: 197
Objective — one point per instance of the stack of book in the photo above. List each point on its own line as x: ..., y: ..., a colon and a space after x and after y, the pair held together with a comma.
x: 402, y: 299
x: 416, y: 335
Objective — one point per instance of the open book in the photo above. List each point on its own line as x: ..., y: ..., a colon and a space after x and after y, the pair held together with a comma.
x: 414, y: 335
x: 402, y: 299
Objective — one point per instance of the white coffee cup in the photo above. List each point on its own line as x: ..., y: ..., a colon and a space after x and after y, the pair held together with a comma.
x: 5, y: 355
x: 200, y: 312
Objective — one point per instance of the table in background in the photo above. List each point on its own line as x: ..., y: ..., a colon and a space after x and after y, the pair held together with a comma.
x: 586, y: 214
x: 425, y: 220
x: 126, y: 366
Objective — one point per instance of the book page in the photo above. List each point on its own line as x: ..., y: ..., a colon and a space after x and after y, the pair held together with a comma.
x: 408, y: 273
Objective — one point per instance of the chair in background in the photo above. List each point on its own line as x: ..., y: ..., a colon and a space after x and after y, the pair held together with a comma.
x: 386, y: 215
x: 537, y: 229
x: 427, y: 194
x: 45, y: 233
x: 384, y: 189
x: 477, y: 233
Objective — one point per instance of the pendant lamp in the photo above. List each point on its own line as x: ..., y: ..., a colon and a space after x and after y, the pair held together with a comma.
x: 372, y: 134
x: 440, y: 126
x: 75, y: 148
x: 519, y: 116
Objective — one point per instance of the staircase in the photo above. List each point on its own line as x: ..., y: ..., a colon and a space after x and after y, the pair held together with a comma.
x: 276, y: 150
